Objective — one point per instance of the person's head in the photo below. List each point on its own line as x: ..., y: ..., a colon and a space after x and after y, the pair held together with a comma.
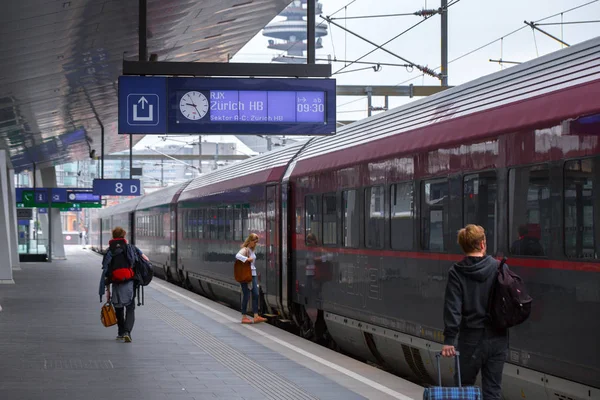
x: 251, y: 241
x: 471, y: 239
x: 523, y: 230
x: 311, y: 239
x: 118, y: 233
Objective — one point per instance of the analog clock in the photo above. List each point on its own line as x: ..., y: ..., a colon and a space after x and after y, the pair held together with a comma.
x: 193, y: 105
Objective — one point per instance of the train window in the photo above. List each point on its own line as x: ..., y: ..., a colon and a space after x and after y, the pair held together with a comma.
x: 237, y: 224
x: 330, y: 219
x: 228, y: 223
x: 401, y: 216
x: 313, y: 220
x: 221, y: 223
x: 195, y: 223
x: 374, y: 217
x: 481, y: 205
x: 579, y: 209
x: 434, y: 214
x: 212, y: 223
x: 200, y: 227
x: 529, y: 210
x: 245, y: 226
x: 350, y: 219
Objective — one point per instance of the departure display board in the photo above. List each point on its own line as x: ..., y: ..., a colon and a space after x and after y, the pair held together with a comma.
x: 249, y: 106
x: 171, y: 105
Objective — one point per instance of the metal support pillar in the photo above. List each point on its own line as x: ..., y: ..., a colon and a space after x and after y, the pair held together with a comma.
x: 6, y: 275
x: 143, y: 56
x: 101, y: 150
x: 310, y: 31
x: 142, y: 30
x: 12, y: 218
x: 52, y: 222
x: 130, y: 156
x: 200, y: 154
x: 444, y: 32
x: 369, y: 101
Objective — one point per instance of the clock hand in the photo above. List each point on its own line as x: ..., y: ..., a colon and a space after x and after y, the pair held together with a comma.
x: 188, y: 104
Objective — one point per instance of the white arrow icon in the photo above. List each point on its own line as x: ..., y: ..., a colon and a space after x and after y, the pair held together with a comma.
x: 56, y: 197
x: 148, y: 118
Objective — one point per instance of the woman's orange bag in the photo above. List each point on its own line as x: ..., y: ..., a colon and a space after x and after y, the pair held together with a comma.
x: 108, y: 315
x: 242, y: 271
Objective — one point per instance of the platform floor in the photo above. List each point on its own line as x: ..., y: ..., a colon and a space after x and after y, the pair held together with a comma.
x: 53, y: 346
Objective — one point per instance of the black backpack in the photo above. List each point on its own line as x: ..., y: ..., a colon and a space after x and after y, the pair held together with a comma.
x: 144, y: 271
x: 509, y: 303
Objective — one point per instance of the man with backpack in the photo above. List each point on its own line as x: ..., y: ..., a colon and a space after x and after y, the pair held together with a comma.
x: 468, y: 314
x: 122, y: 268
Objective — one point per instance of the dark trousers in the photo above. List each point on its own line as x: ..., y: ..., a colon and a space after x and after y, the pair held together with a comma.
x: 485, y: 351
x: 125, y: 318
x: 246, y: 293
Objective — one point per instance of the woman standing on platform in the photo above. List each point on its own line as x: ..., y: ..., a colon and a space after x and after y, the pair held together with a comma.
x: 247, y: 254
x: 117, y: 270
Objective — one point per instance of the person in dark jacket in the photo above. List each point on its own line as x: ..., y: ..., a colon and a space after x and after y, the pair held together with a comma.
x: 119, y: 275
x: 526, y: 245
x: 466, y: 322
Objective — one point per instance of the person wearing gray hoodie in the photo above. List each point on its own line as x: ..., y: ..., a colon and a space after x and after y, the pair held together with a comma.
x: 466, y: 320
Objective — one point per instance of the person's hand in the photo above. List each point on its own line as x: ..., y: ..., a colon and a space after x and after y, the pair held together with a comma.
x: 250, y: 259
x: 448, y: 351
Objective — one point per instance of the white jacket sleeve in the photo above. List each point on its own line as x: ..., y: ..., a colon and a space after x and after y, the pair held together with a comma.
x: 240, y: 256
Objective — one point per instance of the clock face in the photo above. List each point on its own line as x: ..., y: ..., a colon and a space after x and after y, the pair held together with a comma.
x: 193, y: 105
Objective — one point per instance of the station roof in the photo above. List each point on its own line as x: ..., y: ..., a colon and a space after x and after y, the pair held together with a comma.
x: 61, y: 60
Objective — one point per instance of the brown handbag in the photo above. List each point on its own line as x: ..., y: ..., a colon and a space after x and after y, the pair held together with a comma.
x: 108, y: 315
x: 242, y: 271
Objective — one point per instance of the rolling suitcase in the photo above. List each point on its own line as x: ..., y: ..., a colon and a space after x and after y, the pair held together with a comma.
x: 451, y: 393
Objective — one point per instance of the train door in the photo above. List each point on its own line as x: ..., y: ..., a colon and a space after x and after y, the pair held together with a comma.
x: 273, y: 278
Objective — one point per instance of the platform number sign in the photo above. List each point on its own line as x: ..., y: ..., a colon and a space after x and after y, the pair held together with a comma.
x: 117, y: 187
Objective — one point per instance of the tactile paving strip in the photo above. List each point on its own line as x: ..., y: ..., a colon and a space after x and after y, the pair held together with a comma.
x: 268, y: 382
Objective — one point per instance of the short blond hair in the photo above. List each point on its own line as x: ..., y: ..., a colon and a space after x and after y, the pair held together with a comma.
x: 119, y: 233
x: 470, y: 238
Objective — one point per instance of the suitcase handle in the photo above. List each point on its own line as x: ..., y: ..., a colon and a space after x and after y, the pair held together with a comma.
x: 437, y: 356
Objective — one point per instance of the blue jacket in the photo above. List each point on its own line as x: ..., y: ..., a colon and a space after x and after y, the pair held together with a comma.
x: 132, y: 256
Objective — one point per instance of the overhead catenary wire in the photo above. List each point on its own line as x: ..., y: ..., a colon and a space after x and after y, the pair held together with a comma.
x: 317, y: 25
x: 423, y: 69
x: 502, y: 37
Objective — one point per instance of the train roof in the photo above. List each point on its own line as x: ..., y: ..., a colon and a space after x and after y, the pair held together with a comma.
x: 267, y: 167
x: 540, y: 92
x: 127, y: 206
x: 162, y: 197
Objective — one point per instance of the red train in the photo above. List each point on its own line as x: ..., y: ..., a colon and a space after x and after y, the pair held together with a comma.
x: 358, y: 230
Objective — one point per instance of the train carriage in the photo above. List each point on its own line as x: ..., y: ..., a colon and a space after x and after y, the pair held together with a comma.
x: 156, y: 227
x: 218, y: 210
x: 109, y: 218
x: 358, y: 230
x: 379, y: 205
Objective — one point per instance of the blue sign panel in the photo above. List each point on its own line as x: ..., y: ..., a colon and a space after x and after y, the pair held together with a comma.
x: 59, y: 195
x: 41, y: 195
x: 225, y: 105
x: 117, y: 187
x: 83, y: 197
x: 43, y: 210
x: 142, y: 104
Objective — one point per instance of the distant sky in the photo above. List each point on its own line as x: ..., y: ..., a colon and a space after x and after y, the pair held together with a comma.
x: 471, y: 24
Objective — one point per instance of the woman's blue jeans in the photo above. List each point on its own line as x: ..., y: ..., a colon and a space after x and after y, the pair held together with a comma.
x: 246, y: 293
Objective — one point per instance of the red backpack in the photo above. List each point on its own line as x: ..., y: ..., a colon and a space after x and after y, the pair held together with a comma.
x: 509, y: 303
